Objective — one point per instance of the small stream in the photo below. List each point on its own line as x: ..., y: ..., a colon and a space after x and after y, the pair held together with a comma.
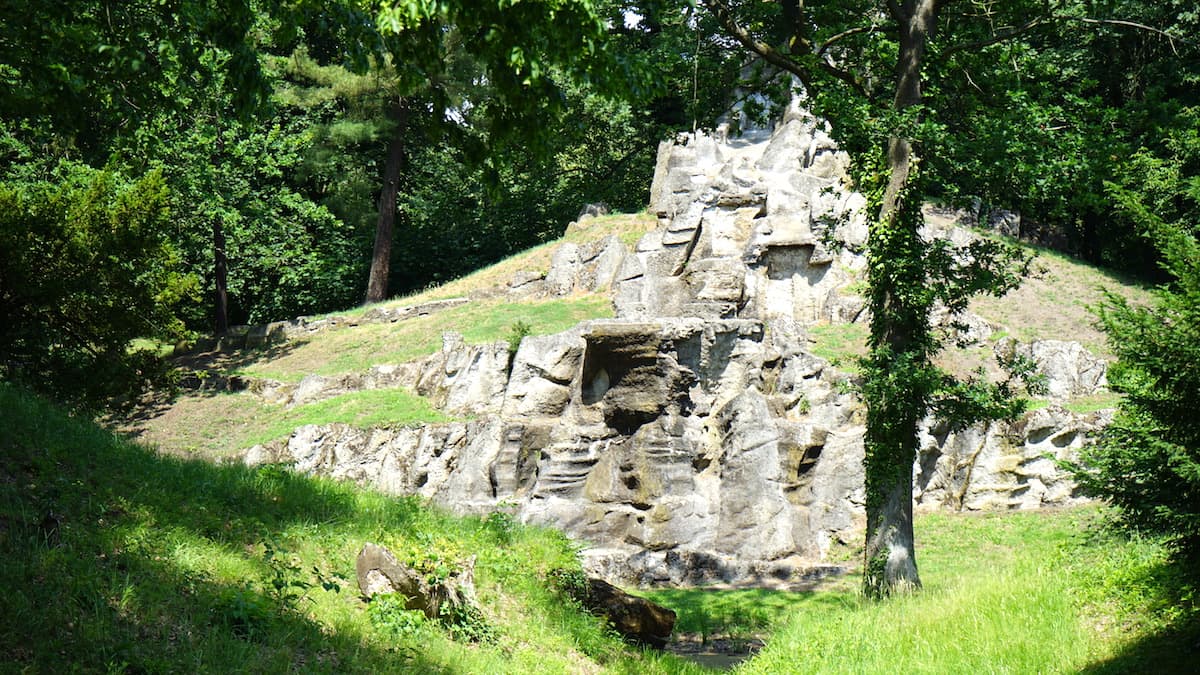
x: 720, y: 654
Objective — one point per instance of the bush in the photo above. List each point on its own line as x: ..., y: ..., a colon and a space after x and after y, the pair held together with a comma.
x: 86, y: 270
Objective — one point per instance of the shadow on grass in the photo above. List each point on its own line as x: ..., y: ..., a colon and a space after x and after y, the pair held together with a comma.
x: 1167, y: 589
x: 201, y: 373
x: 93, y: 539
x: 1175, y: 650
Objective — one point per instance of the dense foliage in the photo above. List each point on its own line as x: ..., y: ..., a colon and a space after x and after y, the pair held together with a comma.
x: 87, y: 269
x: 266, y: 127
x: 1148, y: 461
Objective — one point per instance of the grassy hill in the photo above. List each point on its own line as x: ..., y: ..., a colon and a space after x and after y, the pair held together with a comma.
x: 118, y: 559
x: 1052, y: 304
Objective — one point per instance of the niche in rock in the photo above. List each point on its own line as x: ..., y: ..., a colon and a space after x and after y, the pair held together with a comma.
x: 623, y: 373
x: 794, y: 282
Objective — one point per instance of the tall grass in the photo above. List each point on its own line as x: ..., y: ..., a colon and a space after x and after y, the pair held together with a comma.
x: 1004, y: 593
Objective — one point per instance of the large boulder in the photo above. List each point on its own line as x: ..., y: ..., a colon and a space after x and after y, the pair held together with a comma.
x: 638, y: 620
x: 1070, y: 369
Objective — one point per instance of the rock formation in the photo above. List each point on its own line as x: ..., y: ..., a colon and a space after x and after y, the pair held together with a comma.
x: 636, y: 619
x: 694, y: 438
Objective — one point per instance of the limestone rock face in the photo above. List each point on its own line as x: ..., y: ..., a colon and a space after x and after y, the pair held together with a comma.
x: 1003, y: 466
x: 694, y: 438
x: 757, y: 230
x: 1069, y: 369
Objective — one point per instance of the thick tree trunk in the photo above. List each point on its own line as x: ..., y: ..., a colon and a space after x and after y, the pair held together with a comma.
x: 377, y: 283
x: 898, y: 397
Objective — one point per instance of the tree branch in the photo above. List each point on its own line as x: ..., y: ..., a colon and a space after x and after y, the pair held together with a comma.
x: 1132, y: 24
x: 766, y: 52
x: 1045, y: 21
x: 995, y: 39
x: 843, y: 35
x: 771, y: 55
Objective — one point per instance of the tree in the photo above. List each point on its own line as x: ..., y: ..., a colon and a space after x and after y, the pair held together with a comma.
x: 514, y: 48
x: 246, y: 222
x: 1147, y: 462
x: 905, y: 85
x: 87, y: 263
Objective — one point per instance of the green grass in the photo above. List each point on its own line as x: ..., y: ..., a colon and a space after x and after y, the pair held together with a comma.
x: 366, y: 409
x: 115, y: 559
x: 1004, y: 593
x: 357, y: 349
x: 728, y: 614
x: 219, y: 426
x: 839, y: 343
x: 1081, y: 405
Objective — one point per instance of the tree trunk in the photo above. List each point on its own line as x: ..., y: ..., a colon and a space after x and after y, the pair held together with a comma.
x: 220, y: 259
x: 377, y: 283
x: 220, y: 278
x: 897, y: 395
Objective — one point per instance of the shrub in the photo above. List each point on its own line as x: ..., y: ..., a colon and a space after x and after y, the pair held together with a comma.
x: 86, y: 270
x: 1147, y: 462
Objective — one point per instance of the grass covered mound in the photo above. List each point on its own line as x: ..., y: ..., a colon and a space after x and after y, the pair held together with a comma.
x: 116, y: 559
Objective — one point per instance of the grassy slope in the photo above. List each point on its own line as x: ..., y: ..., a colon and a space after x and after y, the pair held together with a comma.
x: 218, y: 426
x: 117, y: 559
x: 1053, y: 303
x: 1032, y: 592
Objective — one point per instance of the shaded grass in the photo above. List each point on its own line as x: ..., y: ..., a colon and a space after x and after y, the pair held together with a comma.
x: 117, y: 559
x: 732, y: 614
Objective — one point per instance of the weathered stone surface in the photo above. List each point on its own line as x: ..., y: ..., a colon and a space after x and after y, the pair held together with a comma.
x: 1070, y: 370
x: 638, y: 620
x: 379, y: 572
x: 1003, y: 466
